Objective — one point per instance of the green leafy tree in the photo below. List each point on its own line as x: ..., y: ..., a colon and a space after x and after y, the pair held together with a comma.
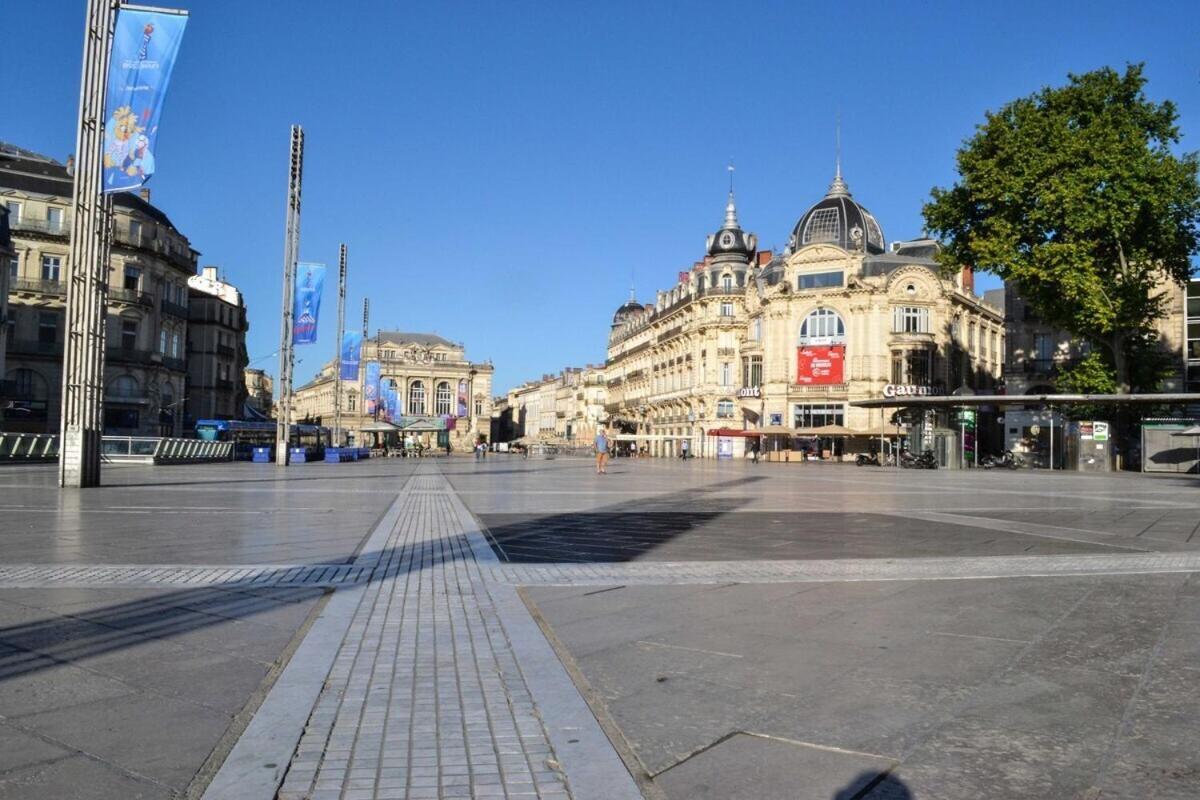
x: 1073, y: 196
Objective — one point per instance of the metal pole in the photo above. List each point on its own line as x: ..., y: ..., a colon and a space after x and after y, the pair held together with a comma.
x: 337, y: 361
x: 1051, y: 437
x: 291, y: 251
x: 81, y: 423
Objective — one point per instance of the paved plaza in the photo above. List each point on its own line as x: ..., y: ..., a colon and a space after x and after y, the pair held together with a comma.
x: 528, y: 629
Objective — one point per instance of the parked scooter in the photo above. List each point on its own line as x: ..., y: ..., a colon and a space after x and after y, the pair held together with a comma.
x: 924, y: 461
x: 1005, y: 460
x: 867, y: 460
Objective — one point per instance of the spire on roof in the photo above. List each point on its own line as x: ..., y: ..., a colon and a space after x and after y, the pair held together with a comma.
x: 838, y: 187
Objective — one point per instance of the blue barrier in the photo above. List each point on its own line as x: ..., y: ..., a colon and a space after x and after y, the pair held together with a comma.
x: 262, y: 455
x: 298, y: 455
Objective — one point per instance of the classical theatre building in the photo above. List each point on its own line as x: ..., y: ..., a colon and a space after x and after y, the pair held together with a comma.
x: 781, y: 344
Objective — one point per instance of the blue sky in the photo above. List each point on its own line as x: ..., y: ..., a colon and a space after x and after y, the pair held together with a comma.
x: 500, y: 170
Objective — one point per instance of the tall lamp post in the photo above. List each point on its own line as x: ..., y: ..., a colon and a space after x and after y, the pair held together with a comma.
x: 291, y: 253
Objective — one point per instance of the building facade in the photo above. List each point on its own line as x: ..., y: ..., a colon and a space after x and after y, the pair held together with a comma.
x: 149, y: 265
x: 782, y: 344
x: 260, y: 392
x: 567, y: 408
x: 438, y: 387
x: 216, y: 349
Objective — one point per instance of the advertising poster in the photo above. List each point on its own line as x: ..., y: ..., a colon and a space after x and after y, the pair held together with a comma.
x: 306, y: 302
x: 462, y: 398
x: 371, y: 388
x: 820, y: 365
x: 351, y: 353
x: 144, y: 47
x: 724, y: 448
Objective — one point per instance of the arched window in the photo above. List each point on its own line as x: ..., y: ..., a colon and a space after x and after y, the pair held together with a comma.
x: 822, y: 326
x: 416, y: 398
x: 727, y: 282
x: 27, y: 384
x: 126, y: 386
x: 443, y: 398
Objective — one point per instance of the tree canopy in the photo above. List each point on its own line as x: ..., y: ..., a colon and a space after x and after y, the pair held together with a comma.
x: 1073, y: 196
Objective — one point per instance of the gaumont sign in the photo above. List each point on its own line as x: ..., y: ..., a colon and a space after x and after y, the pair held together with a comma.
x: 911, y: 390
x: 749, y: 391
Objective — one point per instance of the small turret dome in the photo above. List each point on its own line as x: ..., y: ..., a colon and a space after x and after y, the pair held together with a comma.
x: 731, y: 242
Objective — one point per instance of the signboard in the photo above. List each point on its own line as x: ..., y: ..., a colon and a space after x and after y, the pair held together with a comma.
x: 776, y: 419
x: 306, y: 305
x: 1100, y: 431
x: 820, y: 365
x: 724, y: 448
x: 351, y: 352
x: 911, y: 390
x: 462, y: 398
x: 371, y: 388
x: 144, y: 47
x: 749, y: 391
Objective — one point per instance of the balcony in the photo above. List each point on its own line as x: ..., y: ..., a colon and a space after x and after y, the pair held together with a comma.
x: 45, y: 227
x: 30, y: 347
x: 174, y: 309
x: 726, y: 351
x: 226, y: 350
x: 58, y: 288
x: 129, y: 355
x: 123, y: 295
x: 224, y: 385
x: 177, y: 364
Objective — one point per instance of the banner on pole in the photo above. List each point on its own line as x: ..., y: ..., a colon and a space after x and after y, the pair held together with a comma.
x: 351, y: 354
x: 462, y: 398
x: 144, y: 47
x: 371, y: 388
x: 306, y: 305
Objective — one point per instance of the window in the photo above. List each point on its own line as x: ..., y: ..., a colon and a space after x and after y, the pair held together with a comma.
x: 726, y: 309
x: 724, y: 409
x: 14, y: 269
x: 823, y: 226
x: 726, y: 373
x: 122, y: 419
x: 727, y: 282
x: 51, y: 267
x: 47, y: 327
x: 821, y: 280
x: 1043, y: 347
x: 479, y: 408
x: 971, y: 338
x: 442, y: 398
x: 128, y: 334
x: 133, y: 278
x: 822, y: 326
x: 135, y: 231
x: 910, y: 319
x: 752, y: 371
x: 27, y: 385
x: 416, y: 398
x: 14, y: 211
x: 126, y: 386
x: 350, y: 402
x: 818, y: 415
x: 162, y: 341
x: 54, y: 219
x: 756, y: 329
x: 175, y: 344
x: 911, y: 367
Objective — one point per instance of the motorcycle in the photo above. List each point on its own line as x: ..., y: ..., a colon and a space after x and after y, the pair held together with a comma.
x: 924, y: 461
x: 1005, y: 460
x: 867, y: 460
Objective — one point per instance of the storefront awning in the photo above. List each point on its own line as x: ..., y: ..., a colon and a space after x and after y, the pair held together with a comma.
x: 728, y: 432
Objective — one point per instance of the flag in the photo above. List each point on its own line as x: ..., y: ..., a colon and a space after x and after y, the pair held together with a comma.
x: 144, y: 47
x: 462, y: 398
x: 351, y: 353
x: 371, y: 388
x: 306, y: 302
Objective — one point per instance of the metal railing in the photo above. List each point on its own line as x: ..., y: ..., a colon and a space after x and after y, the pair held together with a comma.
x: 129, y: 296
x: 32, y: 347
x: 29, y: 447
x: 39, y: 286
x: 60, y: 227
x: 174, y: 309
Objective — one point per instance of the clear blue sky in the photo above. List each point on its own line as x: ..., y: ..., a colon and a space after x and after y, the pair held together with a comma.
x: 499, y: 170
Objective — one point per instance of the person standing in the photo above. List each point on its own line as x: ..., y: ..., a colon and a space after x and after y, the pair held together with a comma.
x: 601, y: 445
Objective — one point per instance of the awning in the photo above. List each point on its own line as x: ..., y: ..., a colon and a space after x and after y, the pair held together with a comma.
x: 826, y: 430
x: 945, y: 401
x: 644, y: 437
x: 379, y: 426
x: 734, y: 432
x: 1192, y: 431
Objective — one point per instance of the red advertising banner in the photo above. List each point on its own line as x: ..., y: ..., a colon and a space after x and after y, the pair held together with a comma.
x: 819, y: 366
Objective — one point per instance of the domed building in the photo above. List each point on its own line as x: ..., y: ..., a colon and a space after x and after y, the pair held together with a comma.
x: 752, y: 344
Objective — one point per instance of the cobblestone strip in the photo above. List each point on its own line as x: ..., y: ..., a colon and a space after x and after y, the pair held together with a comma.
x: 232, y: 576
x: 425, y: 698
x: 864, y: 569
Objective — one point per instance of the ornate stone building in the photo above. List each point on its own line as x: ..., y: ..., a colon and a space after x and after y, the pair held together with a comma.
x: 216, y: 349
x: 149, y: 266
x: 445, y: 397
x: 781, y: 344
x: 260, y: 390
x: 567, y: 408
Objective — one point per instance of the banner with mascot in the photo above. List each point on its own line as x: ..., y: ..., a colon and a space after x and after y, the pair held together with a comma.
x: 144, y: 47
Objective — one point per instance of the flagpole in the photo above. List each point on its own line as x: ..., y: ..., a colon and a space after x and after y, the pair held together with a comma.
x: 291, y: 250
x: 337, y: 372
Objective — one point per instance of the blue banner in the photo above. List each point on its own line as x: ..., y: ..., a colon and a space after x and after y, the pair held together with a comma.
x: 371, y: 388
x: 306, y: 302
x: 144, y: 47
x: 351, y: 353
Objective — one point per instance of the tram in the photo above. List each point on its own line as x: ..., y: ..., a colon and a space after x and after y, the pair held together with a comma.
x: 249, y: 434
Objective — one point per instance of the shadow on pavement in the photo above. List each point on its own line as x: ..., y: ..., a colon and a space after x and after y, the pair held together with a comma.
x: 874, y: 786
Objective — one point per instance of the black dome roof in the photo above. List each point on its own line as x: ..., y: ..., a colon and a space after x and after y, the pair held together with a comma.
x: 626, y: 311
x: 731, y: 240
x: 838, y: 219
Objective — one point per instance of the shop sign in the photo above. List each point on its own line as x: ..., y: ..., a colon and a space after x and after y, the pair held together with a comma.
x: 911, y: 390
x: 776, y: 419
x: 820, y: 365
x: 1100, y: 431
x: 749, y: 391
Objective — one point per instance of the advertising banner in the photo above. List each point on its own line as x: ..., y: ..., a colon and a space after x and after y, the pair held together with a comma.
x: 144, y: 47
x: 386, y: 397
x: 306, y: 302
x: 393, y: 403
x: 351, y: 353
x: 820, y: 365
x: 371, y: 388
x: 462, y: 398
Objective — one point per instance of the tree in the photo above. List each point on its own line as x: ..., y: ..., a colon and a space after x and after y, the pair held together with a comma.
x: 1073, y: 196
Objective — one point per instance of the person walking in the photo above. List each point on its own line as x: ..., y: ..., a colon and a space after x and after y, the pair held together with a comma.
x: 754, y: 450
x: 601, y: 446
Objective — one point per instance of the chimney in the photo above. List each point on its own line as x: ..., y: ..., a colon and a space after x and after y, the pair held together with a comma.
x: 209, y: 273
x: 764, y: 257
x: 144, y: 193
x: 71, y: 165
x: 968, y: 279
